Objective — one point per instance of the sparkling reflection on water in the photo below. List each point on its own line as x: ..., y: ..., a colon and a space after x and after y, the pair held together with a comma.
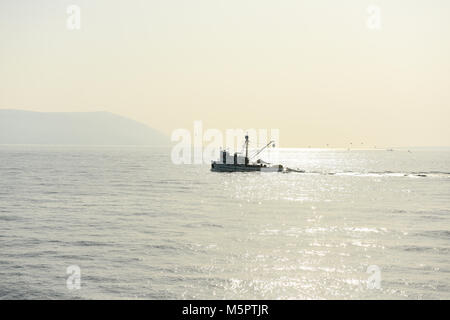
x: 141, y: 227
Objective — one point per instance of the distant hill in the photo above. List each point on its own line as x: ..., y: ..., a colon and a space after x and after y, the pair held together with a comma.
x: 79, y: 128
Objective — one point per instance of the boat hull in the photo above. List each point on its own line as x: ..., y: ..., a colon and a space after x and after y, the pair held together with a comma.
x: 220, y: 167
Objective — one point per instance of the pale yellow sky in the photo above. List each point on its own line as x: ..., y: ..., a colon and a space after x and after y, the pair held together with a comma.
x: 311, y: 69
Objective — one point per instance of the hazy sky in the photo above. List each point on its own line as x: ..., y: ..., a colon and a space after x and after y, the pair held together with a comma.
x: 312, y: 69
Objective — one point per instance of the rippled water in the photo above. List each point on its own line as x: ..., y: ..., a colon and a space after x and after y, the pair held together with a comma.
x: 141, y: 227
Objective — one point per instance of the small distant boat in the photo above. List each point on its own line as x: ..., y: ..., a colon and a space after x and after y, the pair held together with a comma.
x: 239, y: 163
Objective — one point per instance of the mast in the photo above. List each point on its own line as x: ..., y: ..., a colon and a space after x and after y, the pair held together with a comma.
x: 246, y: 149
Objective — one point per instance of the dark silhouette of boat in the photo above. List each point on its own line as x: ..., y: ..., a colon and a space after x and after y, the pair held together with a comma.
x: 239, y: 163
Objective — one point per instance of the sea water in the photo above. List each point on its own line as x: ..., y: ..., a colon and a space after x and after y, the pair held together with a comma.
x: 357, y: 224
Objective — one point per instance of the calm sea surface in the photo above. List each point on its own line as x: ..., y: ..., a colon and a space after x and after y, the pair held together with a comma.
x: 139, y: 226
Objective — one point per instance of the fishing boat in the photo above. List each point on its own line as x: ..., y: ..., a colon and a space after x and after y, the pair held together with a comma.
x: 239, y: 163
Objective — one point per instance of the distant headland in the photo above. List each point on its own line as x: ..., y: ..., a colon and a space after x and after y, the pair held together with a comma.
x: 75, y: 128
